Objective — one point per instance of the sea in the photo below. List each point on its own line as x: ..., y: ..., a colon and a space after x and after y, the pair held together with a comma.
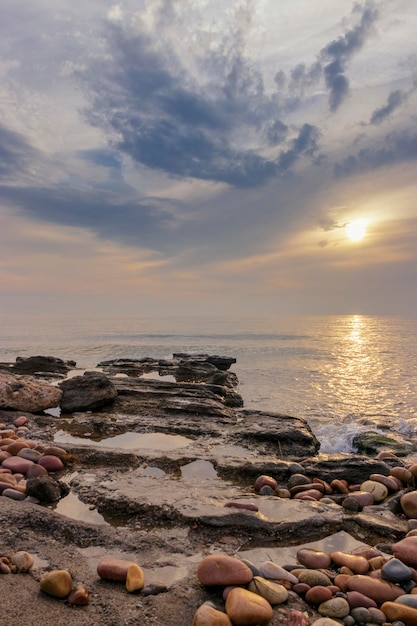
x: 343, y: 374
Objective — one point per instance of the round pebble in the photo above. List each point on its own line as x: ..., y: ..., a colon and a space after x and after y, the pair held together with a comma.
x: 378, y: 590
x: 361, y: 615
x: 336, y: 607
x: 57, y: 583
x: 273, y: 571
x: 314, y: 577
x: 395, y: 571
x: 207, y: 615
x: 23, y: 560
x: 246, y: 608
x: 51, y: 463
x: 377, y: 489
x: 265, y: 480
x: 113, y: 569
x: 79, y: 595
x: 406, y: 551
x: 313, y: 559
x: 400, y: 612
x: 14, y: 494
x: 274, y: 593
x: 220, y: 569
x: 318, y: 594
x: 357, y: 564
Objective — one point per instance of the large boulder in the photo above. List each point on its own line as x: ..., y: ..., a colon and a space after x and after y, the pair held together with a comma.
x: 21, y: 393
x: 87, y: 393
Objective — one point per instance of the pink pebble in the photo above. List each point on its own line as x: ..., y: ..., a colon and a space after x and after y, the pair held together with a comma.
x: 20, y: 421
x: 51, y: 463
x: 17, y: 464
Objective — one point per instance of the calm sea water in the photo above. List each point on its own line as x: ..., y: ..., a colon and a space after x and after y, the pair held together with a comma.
x: 341, y: 373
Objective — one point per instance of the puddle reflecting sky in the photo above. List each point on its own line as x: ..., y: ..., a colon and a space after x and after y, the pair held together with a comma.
x: 130, y: 441
x: 71, y: 506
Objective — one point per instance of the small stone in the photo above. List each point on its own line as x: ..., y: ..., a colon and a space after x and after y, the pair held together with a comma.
x: 274, y: 593
x: 406, y: 551
x: 57, y: 583
x: 266, y: 490
x: 220, y: 569
x: 403, y: 474
x: 272, y: 571
x: 135, y: 578
x: 263, y: 480
x: 378, y: 590
x: 113, y: 569
x: 314, y: 577
x: 318, y: 594
x: 297, y: 479
x: 361, y: 615
x: 23, y: 561
x: 357, y: 564
x: 378, y: 617
x: 410, y: 599
x: 409, y: 504
x: 36, y: 470
x: 79, y: 595
x: 28, y: 453
x: 207, y: 615
x: 246, y: 608
x: 154, y: 589
x: 356, y: 599
x: 51, y: 463
x: 16, y: 464
x: 313, y: 559
x: 377, y: 489
x: 20, y: 421
x: 401, y: 612
x: 13, y: 494
x: 395, y: 571
x: 362, y: 498
x: 336, y: 607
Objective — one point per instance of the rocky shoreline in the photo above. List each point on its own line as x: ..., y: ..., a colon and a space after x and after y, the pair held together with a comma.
x: 159, y: 464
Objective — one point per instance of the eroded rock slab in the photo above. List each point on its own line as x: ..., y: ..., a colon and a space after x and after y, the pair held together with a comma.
x: 91, y: 391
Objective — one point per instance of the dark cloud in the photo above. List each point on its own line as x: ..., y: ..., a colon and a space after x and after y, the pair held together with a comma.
x: 337, y: 53
x: 140, y: 223
x: 16, y: 153
x: 397, y: 147
x: 157, y: 114
x: 395, y: 100
x: 306, y: 143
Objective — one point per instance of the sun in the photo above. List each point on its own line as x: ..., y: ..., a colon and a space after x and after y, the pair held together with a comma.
x: 356, y: 230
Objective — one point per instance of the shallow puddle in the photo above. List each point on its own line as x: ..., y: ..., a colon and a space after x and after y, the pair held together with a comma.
x: 71, y: 506
x: 129, y: 441
x: 198, y: 469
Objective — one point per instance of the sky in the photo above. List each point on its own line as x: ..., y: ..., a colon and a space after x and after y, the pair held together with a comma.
x: 198, y: 157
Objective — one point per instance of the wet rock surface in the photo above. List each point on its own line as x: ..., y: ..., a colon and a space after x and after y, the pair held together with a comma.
x: 170, y: 471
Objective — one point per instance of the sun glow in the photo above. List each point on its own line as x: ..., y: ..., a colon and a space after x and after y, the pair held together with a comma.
x: 356, y: 230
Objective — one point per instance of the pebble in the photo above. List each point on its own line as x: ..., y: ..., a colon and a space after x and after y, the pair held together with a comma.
x: 14, y: 494
x: 246, y: 608
x: 402, y: 473
x: 356, y: 599
x: 378, y: 590
x: 265, y: 480
x: 326, y: 621
x: 16, y: 464
x: 51, y: 463
x: 336, y: 607
x: 28, y: 453
x: 274, y: 593
x: 377, y: 489
x: 220, y: 569
x: 113, y: 569
x: 273, y: 571
x: 357, y: 564
x: 23, y: 560
x: 401, y: 612
x: 79, y: 595
x: 296, y: 480
x: 378, y: 617
x: 409, y: 504
x: 314, y: 577
x: 57, y: 583
x: 207, y: 615
x: 410, y: 599
x: 406, y: 551
x: 361, y: 615
x: 318, y: 594
x: 395, y: 571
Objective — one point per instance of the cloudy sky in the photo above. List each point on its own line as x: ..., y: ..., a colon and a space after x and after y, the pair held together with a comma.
x: 202, y: 157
